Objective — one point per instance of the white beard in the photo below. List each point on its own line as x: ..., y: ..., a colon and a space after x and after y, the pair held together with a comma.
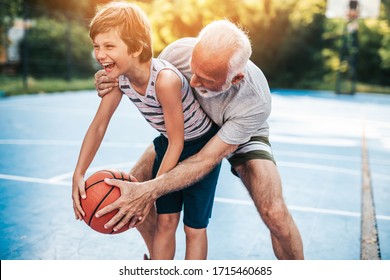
x: 202, y: 91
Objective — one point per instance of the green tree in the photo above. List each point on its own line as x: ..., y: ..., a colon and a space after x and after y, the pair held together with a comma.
x: 70, y: 8
x: 373, y: 66
x: 293, y: 43
x: 384, y: 50
x: 373, y: 55
x: 57, y: 49
x: 9, y: 9
x: 174, y: 19
x: 287, y: 41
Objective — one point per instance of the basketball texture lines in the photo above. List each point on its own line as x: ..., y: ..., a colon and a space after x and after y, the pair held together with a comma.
x: 99, y: 195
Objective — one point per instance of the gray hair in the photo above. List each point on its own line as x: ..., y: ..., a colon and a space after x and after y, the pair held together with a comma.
x: 223, y: 35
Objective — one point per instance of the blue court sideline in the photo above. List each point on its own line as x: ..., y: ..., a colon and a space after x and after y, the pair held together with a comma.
x: 316, y: 137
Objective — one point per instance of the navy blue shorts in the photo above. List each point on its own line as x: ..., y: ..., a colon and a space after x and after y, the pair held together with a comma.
x: 197, y: 199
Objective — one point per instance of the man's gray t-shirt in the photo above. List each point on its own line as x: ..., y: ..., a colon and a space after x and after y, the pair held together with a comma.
x: 242, y: 111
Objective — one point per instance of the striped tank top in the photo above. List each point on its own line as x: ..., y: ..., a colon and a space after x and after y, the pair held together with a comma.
x: 196, y: 122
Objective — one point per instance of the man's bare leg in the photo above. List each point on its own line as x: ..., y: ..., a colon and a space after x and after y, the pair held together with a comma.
x: 142, y: 170
x: 263, y: 182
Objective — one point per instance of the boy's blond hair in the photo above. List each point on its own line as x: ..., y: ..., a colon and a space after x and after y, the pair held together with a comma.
x: 130, y: 21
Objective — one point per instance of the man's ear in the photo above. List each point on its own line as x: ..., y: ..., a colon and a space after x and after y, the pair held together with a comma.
x: 237, y: 78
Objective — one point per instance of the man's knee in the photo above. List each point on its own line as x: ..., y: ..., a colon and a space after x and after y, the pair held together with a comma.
x: 142, y: 170
x: 277, y: 217
x: 149, y: 223
x: 275, y: 211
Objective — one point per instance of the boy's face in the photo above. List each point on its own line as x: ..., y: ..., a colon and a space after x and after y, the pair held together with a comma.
x: 111, y: 52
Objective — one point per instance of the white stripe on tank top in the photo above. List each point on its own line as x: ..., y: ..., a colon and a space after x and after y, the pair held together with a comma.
x: 196, y: 122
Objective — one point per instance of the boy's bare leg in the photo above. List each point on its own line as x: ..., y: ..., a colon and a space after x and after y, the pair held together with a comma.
x: 164, y: 245
x: 142, y: 171
x: 196, y: 243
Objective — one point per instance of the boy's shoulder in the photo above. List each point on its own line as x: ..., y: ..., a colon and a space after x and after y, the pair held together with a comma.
x: 167, y: 73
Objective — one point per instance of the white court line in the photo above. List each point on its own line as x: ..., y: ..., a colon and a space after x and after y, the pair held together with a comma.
x: 38, y: 142
x: 328, y: 157
x: 92, y: 169
x: 129, y: 115
x: 291, y: 207
x: 302, y: 209
x: 317, y: 156
x: 319, y: 167
x: 295, y: 140
x: 319, y: 141
x: 217, y: 199
x: 42, y: 142
x: 330, y: 169
x: 32, y: 180
x: 54, y: 142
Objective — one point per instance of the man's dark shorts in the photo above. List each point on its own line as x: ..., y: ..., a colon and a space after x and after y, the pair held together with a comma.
x: 257, y: 147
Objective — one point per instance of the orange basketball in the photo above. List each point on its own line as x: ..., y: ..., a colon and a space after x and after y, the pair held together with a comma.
x: 99, y: 195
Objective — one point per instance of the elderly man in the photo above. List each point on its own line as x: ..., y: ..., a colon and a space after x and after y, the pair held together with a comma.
x: 235, y: 94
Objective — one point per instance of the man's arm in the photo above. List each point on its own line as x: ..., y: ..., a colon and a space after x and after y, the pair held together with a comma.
x: 191, y: 170
x: 135, y: 197
x: 103, y: 83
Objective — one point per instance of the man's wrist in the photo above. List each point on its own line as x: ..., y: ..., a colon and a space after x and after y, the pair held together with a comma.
x: 149, y: 190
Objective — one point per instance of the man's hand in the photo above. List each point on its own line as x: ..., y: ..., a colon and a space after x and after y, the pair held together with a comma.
x: 103, y: 83
x: 133, y: 205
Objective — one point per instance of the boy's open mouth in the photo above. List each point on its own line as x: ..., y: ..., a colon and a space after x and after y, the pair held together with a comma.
x: 108, y: 66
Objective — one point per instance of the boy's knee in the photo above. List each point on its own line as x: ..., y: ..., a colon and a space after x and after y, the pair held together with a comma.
x: 194, y: 232
x: 167, y: 222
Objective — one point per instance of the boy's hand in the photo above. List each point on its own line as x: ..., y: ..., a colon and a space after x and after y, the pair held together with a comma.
x: 103, y: 83
x: 78, y: 190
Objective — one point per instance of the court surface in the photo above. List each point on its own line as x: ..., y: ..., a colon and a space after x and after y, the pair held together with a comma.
x: 317, y: 142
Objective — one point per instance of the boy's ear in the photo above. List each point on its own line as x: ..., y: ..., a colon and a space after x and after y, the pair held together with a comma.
x: 137, y: 53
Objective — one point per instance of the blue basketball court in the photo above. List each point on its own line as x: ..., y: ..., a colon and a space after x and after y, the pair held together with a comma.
x: 317, y: 142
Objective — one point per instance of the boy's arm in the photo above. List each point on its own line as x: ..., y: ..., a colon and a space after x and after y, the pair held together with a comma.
x: 168, y: 92
x: 90, y: 145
